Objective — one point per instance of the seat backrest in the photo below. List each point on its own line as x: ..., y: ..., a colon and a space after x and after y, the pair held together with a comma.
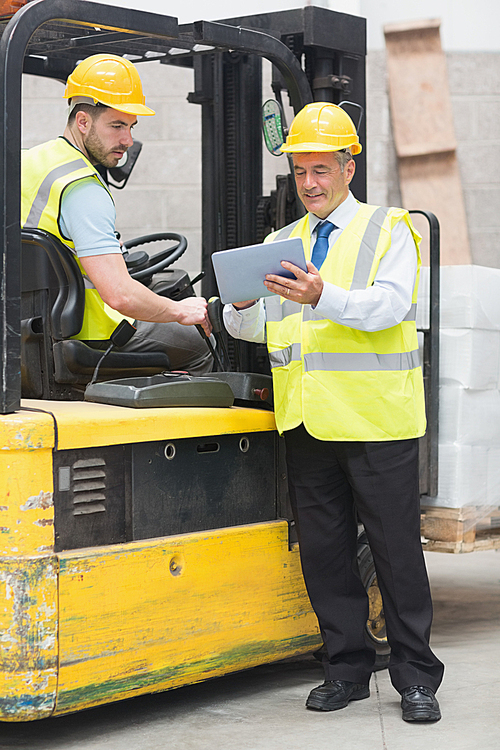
x: 45, y: 260
x: 52, y: 305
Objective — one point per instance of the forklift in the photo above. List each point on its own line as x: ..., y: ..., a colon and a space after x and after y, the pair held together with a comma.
x: 148, y: 541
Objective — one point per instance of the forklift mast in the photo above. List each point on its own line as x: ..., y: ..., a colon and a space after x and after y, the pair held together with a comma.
x: 316, y: 55
x: 331, y: 49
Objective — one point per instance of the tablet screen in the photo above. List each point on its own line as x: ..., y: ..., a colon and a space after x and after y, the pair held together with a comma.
x: 240, y: 272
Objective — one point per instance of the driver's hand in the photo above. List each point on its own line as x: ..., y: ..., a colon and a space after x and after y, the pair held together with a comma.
x: 192, y: 311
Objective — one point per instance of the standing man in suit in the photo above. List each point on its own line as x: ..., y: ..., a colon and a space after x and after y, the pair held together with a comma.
x: 349, y: 400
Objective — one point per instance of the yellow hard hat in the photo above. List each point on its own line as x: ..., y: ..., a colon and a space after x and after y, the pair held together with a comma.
x: 109, y: 80
x: 321, y: 126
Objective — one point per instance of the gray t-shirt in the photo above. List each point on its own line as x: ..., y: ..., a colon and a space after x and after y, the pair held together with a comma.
x: 88, y: 218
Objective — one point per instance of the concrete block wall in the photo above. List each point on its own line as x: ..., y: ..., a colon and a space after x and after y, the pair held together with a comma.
x: 382, y: 167
x: 475, y: 92
x: 164, y: 191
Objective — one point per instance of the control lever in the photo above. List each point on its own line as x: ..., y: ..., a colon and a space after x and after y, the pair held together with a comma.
x: 248, y: 388
x: 213, y: 352
x: 120, y: 336
x: 215, y: 315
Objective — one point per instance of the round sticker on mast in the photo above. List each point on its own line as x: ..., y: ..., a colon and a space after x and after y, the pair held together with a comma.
x: 272, y: 126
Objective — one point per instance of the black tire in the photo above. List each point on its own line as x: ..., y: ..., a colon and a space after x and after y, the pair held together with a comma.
x: 375, y: 630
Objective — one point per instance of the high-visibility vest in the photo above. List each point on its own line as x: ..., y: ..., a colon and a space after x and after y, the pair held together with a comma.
x: 340, y: 382
x: 46, y: 171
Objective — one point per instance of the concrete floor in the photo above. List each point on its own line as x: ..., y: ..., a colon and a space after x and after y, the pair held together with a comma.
x: 263, y: 709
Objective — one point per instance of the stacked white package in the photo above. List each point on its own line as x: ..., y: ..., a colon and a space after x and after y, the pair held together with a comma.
x: 470, y: 358
x: 469, y: 297
x: 469, y: 408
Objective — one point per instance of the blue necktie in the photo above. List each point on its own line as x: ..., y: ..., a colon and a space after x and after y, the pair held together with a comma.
x: 320, y: 249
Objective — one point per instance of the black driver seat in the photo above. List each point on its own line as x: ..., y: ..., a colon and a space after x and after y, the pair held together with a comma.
x: 54, y: 366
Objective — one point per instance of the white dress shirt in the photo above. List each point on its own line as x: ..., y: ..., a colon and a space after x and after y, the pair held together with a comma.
x: 382, y: 305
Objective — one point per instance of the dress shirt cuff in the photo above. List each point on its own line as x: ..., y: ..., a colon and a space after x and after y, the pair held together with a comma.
x: 248, y: 313
x: 247, y: 324
x: 332, y: 302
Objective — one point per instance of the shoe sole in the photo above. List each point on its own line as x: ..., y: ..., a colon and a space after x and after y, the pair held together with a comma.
x: 422, y: 715
x: 322, y: 705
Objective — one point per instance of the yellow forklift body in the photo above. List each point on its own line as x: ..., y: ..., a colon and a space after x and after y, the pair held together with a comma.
x: 89, y: 626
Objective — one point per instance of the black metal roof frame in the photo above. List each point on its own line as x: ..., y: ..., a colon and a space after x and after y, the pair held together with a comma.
x: 47, y: 38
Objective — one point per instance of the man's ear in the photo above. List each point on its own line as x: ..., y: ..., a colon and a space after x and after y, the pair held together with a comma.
x: 349, y: 170
x: 83, y: 122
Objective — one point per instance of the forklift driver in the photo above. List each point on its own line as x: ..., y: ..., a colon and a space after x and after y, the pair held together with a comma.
x: 64, y: 194
x: 349, y: 400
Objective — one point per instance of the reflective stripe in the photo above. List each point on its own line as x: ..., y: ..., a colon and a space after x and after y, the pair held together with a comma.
x: 367, y: 249
x: 42, y: 196
x: 283, y: 357
x: 363, y: 362
x: 310, y: 314
x: 412, y: 313
x: 276, y: 312
x: 87, y: 282
x: 284, y: 234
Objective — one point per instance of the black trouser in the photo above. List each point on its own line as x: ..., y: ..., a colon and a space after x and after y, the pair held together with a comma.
x: 329, y: 482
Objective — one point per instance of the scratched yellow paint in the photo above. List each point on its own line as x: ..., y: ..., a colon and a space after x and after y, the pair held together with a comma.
x: 92, y: 626
x: 28, y: 646
x: 81, y: 424
x: 28, y: 568
x: 154, y: 615
x: 26, y: 484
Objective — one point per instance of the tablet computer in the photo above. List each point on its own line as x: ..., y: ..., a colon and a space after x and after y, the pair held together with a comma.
x: 240, y: 272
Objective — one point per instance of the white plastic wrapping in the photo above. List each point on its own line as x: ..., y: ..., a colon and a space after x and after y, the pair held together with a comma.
x: 469, y: 358
x: 469, y: 397
x: 469, y: 417
x: 470, y: 297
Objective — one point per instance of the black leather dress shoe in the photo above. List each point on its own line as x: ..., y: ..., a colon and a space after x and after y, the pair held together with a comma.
x: 336, y: 694
x: 419, y: 704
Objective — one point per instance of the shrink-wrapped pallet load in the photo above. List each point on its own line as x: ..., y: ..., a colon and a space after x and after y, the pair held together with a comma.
x: 465, y: 515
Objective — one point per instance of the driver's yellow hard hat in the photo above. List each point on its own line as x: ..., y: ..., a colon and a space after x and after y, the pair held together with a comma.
x: 109, y: 80
x: 321, y: 126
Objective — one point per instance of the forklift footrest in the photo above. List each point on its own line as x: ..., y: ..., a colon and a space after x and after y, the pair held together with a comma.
x: 167, y: 389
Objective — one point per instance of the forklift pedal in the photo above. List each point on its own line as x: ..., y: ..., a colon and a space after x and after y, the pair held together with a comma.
x: 249, y: 388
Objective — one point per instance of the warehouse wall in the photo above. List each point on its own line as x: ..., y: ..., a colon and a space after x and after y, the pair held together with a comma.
x: 475, y: 91
x: 164, y: 190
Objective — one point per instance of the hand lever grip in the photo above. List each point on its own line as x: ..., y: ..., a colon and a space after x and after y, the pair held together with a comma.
x: 215, y: 314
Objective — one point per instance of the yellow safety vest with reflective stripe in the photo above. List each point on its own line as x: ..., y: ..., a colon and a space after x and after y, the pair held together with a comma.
x: 46, y: 171
x: 342, y: 383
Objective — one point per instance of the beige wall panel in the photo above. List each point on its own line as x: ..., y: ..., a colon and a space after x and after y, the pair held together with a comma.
x: 432, y: 183
x: 424, y: 135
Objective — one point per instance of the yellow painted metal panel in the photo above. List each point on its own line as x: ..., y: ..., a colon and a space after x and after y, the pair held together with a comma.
x: 28, y: 643
x: 26, y: 485
x: 28, y: 569
x: 81, y: 424
x: 154, y: 615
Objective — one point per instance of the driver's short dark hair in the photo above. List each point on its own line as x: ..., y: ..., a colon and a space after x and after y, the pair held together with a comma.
x: 93, y: 110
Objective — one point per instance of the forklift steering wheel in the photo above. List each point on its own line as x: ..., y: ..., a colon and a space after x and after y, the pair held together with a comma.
x: 141, y: 266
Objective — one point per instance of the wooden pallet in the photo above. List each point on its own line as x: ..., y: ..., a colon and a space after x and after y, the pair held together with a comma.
x: 460, y: 529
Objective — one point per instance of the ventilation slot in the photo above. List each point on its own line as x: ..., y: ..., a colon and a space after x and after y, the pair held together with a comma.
x: 89, y: 486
